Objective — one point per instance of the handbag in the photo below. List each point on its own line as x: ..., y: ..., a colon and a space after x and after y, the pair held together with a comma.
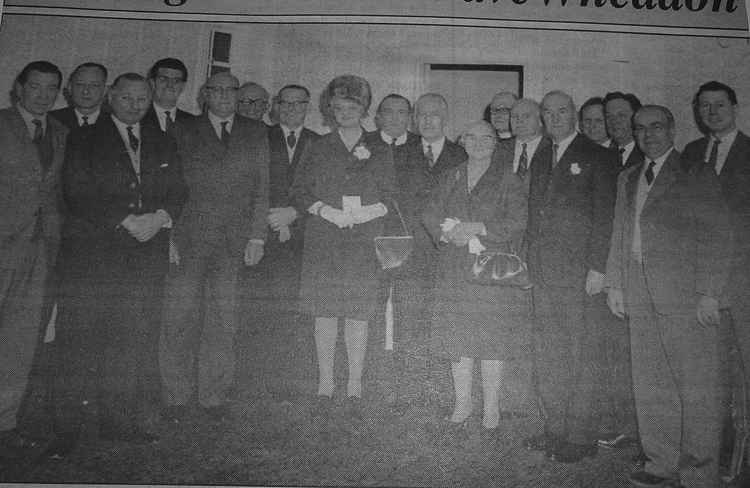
x: 498, y: 268
x: 393, y: 251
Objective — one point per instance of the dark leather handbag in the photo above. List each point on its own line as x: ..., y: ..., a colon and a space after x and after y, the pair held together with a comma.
x: 498, y: 268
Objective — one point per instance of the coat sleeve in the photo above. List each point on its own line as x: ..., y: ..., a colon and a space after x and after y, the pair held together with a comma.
x: 508, y: 224
x: 302, y: 193
x: 435, y: 208
x: 260, y: 202
x: 603, y: 195
x: 615, y: 258
x: 713, y: 234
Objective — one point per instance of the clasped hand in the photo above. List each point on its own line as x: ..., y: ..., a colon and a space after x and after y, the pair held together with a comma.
x: 144, y: 227
x: 347, y: 219
x: 460, y: 233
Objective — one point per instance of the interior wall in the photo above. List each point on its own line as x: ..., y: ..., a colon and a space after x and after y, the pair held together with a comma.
x: 659, y: 69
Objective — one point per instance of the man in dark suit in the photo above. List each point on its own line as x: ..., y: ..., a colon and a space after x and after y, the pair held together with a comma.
x: 86, y: 89
x: 571, y: 204
x: 30, y: 216
x: 726, y: 150
x: 272, y: 292
x: 123, y: 184
x: 167, y: 78
x: 668, y: 263
x: 619, y: 109
x: 222, y: 228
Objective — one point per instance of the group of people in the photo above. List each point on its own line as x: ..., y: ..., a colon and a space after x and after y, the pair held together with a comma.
x: 134, y: 220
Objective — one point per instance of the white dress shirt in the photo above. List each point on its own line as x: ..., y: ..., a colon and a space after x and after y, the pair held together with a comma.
x: 161, y: 115
x: 562, y: 146
x: 723, y: 152
x: 400, y: 140
x: 90, y: 118
x: 641, y: 195
x: 29, y: 118
x: 531, y: 147
x: 216, y: 123
x: 437, y: 148
x: 297, y: 132
x: 628, y: 150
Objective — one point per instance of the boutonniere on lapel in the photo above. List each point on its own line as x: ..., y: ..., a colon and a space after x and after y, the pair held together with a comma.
x: 361, y: 152
x: 575, y: 169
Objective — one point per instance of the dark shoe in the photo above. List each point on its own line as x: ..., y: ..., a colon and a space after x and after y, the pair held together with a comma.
x: 62, y: 446
x: 640, y: 460
x: 216, y: 413
x: 322, y: 407
x: 570, y: 452
x: 616, y: 441
x: 13, y: 440
x: 541, y: 442
x: 354, y: 408
x: 647, y: 480
x: 174, y: 414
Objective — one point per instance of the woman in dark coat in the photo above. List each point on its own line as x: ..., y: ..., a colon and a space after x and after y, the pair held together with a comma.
x: 480, y: 204
x: 344, y: 184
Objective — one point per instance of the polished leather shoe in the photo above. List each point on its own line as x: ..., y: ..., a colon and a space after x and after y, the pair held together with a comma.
x: 62, y: 446
x: 648, y: 480
x: 540, y: 442
x: 570, y: 452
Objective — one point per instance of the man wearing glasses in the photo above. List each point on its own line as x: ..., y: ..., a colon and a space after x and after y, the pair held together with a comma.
x: 252, y: 101
x: 498, y: 113
x: 167, y: 78
x: 222, y: 228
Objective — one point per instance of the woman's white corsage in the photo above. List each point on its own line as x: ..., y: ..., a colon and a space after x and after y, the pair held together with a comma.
x: 575, y: 169
x: 361, y: 152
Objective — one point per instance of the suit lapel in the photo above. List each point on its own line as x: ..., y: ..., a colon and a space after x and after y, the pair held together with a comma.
x: 736, y: 157
x: 664, y: 180
x: 113, y: 144
x: 210, y: 139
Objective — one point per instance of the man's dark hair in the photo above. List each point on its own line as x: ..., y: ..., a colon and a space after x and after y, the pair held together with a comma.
x: 394, y: 96
x: 42, y: 67
x: 98, y: 66
x: 294, y: 87
x: 590, y: 103
x: 128, y: 77
x: 633, y: 100
x: 168, y: 63
x: 716, y: 86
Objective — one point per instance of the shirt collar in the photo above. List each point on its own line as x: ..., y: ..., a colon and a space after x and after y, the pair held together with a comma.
x: 400, y: 140
x: 437, y: 146
x: 216, y: 121
x: 728, y: 139
x: 659, y: 162
x: 29, y: 118
x: 160, y: 110
x: 123, y: 127
x: 563, y: 145
x: 90, y: 118
x: 286, y: 130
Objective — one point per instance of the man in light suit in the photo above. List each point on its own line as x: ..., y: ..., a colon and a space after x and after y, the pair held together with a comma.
x: 669, y: 260
x: 726, y: 150
x: 123, y: 184
x: 222, y: 228
x: 571, y: 204
x: 619, y: 109
x: 167, y: 78
x: 87, y: 87
x: 30, y: 217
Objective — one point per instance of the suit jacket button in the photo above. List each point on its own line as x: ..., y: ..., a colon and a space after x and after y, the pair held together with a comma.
x: 132, y: 185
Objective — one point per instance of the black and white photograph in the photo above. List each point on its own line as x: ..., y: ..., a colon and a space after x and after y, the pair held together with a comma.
x: 405, y: 243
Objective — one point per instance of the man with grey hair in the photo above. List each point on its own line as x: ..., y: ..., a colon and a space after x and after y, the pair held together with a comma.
x: 571, y: 205
x: 124, y: 187
x: 668, y: 263
x: 498, y: 113
x: 223, y: 227
x: 252, y: 100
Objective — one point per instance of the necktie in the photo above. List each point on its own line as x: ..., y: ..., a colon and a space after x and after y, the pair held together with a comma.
x: 649, y: 174
x: 132, y: 139
x: 224, y: 132
x: 168, y: 121
x: 555, y: 147
x: 84, y: 121
x: 291, y: 140
x: 38, y: 131
x: 714, y: 156
x: 429, y: 155
x: 621, y: 150
x: 523, y: 162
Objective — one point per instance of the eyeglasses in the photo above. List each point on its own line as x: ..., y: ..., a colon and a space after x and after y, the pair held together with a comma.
x: 221, y: 90
x: 470, y: 138
x: 293, y: 105
x: 498, y: 111
x: 168, y: 80
x: 252, y: 101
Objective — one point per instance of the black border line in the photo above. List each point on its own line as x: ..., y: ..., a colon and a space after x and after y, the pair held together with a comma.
x: 474, y: 26
x: 585, y: 22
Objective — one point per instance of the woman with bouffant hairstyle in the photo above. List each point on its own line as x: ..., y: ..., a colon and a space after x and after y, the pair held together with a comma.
x: 343, y: 185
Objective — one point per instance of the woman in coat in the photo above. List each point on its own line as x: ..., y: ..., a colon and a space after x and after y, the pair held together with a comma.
x: 482, y: 204
x: 344, y: 184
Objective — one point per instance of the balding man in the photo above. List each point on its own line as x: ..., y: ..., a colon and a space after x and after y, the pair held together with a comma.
x: 669, y: 261
x: 252, y: 101
x: 124, y: 186
x: 222, y: 228
x: 571, y: 205
x: 498, y: 113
